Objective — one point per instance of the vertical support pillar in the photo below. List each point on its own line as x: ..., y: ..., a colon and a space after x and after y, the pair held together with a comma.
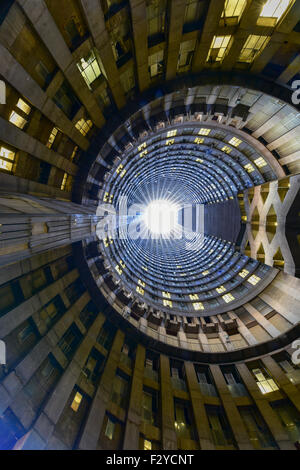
x: 169, y: 438
x: 132, y: 429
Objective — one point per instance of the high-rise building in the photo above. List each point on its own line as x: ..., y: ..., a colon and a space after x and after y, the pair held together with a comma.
x: 150, y: 224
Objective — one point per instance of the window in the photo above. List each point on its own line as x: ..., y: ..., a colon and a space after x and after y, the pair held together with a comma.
x: 167, y: 303
x: 156, y: 63
x: 243, y: 273
x: 140, y: 290
x: 253, y: 279
x: 235, y: 142
x: 289, y: 417
x: 219, y: 48
x: 166, y: 295
x: 17, y: 120
x: 273, y: 9
x: 52, y: 137
x: 264, y: 382
x: 227, y: 297
x: 186, y: 53
x: 233, y: 9
x: 204, y: 131
x: 76, y: 402
x: 257, y: 430
x: 249, y: 167
x: 253, y: 47
x: 194, y: 296
x: 198, y: 306
x: 226, y: 149
x: 23, y: 106
x: 84, y: 126
x: 219, y: 426
x: 25, y: 333
x: 221, y: 289
x: 89, y: 68
x: 147, y: 445
x: 260, y: 162
x: 110, y: 429
x: 64, y: 182
x: 198, y: 140
x: 7, y: 158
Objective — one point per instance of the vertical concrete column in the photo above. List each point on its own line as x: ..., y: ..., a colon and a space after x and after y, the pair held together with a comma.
x: 269, y: 415
x: 262, y: 321
x: 285, y: 384
x: 243, y: 330
x: 200, y: 417
x: 237, y: 425
x: 169, y: 438
x: 94, y: 422
x: 132, y: 431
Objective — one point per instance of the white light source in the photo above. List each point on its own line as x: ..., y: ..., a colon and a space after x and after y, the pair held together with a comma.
x: 161, y: 216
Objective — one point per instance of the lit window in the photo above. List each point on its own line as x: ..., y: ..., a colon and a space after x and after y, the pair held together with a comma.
x: 141, y: 283
x: 198, y: 140
x: 122, y: 264
x: 76, y: 402
x: 144, y: 268
x: 170, y: 141
x: 119, y: 169
x: 84, y: 126
x: 147, y: 445
x: 52, y: 137
x: 264, y: 383
x: 140, y: 290
x: 253, y: 279
x: 122, y: 173
x: 227, y: 297
x: 172, y: 133
x: 110, y: 429
x: 226, y: 149
x: 105, y: 197
x: 204, y: 131
x: 142, y: 146
x: 199, y: 160
x: 253, y: 47
x: 198, y: 306
x: 233, y: 9
x: 7, y: 158
x: 274, y: 9
x: 168, y: 303
x: 23, y: 106
x: 142, y: 154
x: 17, y: 120
x: 64, y: 182
x: 260, y: 162
x: 194, y: 296
x: 75, y: 150
x: 118, y: 269
x: 249, y: 167
x: 218, y: 49
x: 166, y: 295
x: 243, y: 273
x: 205, y: 273
x: 89, y: 68
x: 221, y: 289
x: 235, y: 142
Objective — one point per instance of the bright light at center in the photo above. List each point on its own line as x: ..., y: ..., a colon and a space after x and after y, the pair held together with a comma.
x: 161, y: 216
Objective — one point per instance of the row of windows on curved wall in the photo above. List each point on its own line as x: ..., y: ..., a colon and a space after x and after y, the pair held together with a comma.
x: 46, y: 377
x: 231, y: 269
x: 248, y: 165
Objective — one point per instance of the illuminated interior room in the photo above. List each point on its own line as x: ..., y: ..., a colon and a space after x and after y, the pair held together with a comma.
x: 188, y: 111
